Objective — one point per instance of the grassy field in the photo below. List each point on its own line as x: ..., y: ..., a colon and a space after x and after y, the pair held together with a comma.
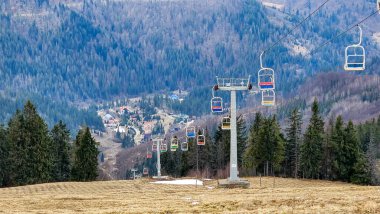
x: 140, y: 196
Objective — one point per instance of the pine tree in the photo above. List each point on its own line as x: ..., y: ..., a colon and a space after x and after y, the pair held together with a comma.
x: 211, y: 149
x: 361, y: 171
x: 30, y: 146
x: 266, y: 147
x: 39, y: 145
x: 249, y: 156
x: 18, y: 156
x: 329, y: 163
x: 278, y: 142
x: 241, y: 139
x: 60, y: 136
x: 4, y: 160
x: 85, y: 164
x: 339, y: 142
x: 311, y: 149
x: 350, y: 153
x: 222, y: 142
x: 292, y: 146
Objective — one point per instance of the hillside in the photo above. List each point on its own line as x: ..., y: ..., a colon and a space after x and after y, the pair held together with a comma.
x: 140, y: 196
x: 76, y: 52
x: 355, y: 97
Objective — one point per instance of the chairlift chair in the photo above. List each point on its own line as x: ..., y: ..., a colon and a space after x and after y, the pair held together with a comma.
x: 163, y: 147
x: 201, y: 140
x: 266, y: 79
x: 216, y: 102
x: 154, y: 146
x: 355, y: 56
x: 190, y: 132
x: 185, y: 146
x: 148, y: 154
x: 268, y: 98
x: 265, y: 76
x: 226, y: 123
x: 217, y: 105
x: 174, y: 144
x: 145, y: 171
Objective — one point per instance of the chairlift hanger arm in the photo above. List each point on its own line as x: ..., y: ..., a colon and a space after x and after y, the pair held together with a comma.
x: 360, y: 36
x: 342, y: 33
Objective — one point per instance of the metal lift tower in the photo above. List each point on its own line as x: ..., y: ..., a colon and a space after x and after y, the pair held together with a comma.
x: 233, y: 85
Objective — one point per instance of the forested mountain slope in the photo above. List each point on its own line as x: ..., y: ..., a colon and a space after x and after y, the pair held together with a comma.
x: 84, y: 50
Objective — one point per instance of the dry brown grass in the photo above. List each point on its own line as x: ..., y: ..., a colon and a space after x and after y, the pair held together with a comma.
x: 288, y: 196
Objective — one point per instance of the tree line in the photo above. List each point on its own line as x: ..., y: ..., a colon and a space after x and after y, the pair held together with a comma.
x: 333, y: 151
x: 32, y: 154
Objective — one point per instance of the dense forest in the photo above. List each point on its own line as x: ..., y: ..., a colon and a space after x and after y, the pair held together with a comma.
x: 333, y: 151
x: 31, y: 154
x: 61, y: 56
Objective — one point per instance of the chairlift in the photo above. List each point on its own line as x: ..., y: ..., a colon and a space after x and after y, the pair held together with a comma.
x: 268, y: 98
x: 216, y: 102
x: 145, y: 171
x: 148, y: 155
x: 266, y: 79
x: 190, y: 132
x: 201, y: 140
x: 174, y: 144
x: 185, y: 146
x: 265, y: 76
x: 163, y: 147
x: 226, y: 123
x: 355, y: 55
x: 154, y: 146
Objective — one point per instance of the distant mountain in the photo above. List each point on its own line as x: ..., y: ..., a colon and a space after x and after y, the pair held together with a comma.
x: 89, y: 50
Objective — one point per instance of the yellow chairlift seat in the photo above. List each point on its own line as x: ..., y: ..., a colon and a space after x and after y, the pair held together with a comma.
x: 268, y: 98
x: 226, y: 123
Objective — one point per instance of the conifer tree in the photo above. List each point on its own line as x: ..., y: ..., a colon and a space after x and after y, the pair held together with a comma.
x: 39, y: 145
x: 4, y: 158
x: 350, y: 153
x: 222, y: 142
x: 361, y: 171
x: 60, y: 136
x: 241, y: 139
x: 211, y: 149
x: 18, y: 154
x: 338, y: 141
x: 329, y: 163
x: 85, y: 166
x: 292, y: 146
x: 266, y: 147
x: 311, y: 149
x: 30, y: 146
x: 249, y: 160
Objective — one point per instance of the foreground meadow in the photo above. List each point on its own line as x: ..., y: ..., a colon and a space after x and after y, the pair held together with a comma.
x: 141, y: 196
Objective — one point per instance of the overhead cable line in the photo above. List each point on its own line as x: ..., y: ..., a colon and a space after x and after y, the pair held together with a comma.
x: 297, y: 26
x: 344, y: 32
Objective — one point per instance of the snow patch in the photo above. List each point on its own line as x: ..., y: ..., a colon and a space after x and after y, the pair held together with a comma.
x: 376, y: 38
x: 180, y: 182
x: 273, y: 5
x: 298, y: 49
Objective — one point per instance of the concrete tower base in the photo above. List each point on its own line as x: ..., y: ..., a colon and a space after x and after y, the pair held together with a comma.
x: 226, y: 183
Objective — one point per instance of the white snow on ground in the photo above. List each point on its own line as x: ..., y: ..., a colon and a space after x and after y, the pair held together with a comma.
x: 376, y: 37
x: 180, y: 182
x: 273, y: 5
x: 298, y: 49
